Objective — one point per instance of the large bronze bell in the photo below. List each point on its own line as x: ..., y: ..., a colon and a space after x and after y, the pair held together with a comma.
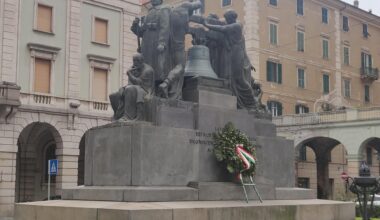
x: 198, y: 63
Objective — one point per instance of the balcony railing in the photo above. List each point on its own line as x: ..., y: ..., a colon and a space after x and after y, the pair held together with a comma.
x: 369, y: 73
x: 328, y: 117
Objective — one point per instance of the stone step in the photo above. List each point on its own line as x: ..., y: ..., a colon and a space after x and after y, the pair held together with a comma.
x: 131, y: 193
x: 200, y: 210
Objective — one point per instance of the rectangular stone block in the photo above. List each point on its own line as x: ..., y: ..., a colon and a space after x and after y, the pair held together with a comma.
x: 170, y: 113
x: 125, y: 154
x: 276, y: 161
x: 295, y: 194
x: 215, y: 191
x: 131, y: 194
x: 209, y: 118
x: 163, y: 156
x: 160, y: 194
x: 108, y: 156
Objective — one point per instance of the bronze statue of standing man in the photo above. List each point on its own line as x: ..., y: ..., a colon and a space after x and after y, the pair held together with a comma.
x: 155, y: 34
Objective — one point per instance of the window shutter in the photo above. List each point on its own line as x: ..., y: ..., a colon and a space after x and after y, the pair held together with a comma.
x: 279, y: 105
x: 42, y: 70
x: 269, y: 75
x: 370, y: 61
x: 44, y: 18
x: 279, y: 76
x: 363, y: 60
x: 101, y: 30
x: 269, y: 105
x: 306, y: 109
x: 99, y: 85
x: 297, y: 109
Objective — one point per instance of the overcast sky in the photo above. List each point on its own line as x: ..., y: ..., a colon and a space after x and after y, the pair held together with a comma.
x: 368, y: 4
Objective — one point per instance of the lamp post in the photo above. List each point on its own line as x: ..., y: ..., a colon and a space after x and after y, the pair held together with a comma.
x: 365, y: 186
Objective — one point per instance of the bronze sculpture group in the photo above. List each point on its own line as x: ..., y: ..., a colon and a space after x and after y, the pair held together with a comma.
x: 159, y: 69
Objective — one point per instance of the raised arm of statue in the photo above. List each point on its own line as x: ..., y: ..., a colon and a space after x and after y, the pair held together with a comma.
x: 222, y: 28
x: 136, y: 28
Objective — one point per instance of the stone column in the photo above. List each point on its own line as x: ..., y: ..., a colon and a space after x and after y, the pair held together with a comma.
x: 251, y: 32
x: 353, y: 164
x: 9, y: 15
x: 338, y: 101
x: 8, y: 154
x: 322, y: 148
x: 68, y: 165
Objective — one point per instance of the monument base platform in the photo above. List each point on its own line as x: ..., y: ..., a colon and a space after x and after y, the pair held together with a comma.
x: 195, y: 191
x: 213, y: 210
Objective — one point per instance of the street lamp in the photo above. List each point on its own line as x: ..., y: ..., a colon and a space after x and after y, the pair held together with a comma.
x: 365, y: 187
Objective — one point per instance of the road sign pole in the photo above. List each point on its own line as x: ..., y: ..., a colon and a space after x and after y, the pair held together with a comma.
x: 49, y: 180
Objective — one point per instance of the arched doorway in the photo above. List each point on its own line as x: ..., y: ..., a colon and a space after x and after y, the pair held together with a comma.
x: 370, y: 151
x: 37, y: 144
x: 320, y: 161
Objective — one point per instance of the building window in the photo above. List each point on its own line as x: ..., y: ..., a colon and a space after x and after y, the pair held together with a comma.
x: 325, y: 15
x: 347, y: 88
x: 44, y: 18
x: 101, y: 31
x: 301, y: 78
x: 369, y: 155
x: 273, y: 2
x: 303, y: 183
x: 325, y: 49
x: 274, y: 72
x: 365, y: 31
x: 366, y: 93
x: 301, y: 109
x: 345, y: 24
x: 346, y: 56
x: 275, y: 108
x: 326, y: 84
x: 42, y: 75
x: 42, y: 57
x: 99, y: 85
x: 303, y: 153
x: 300, y: 41
x: 300, y: 7
x: 226, y: 3
x: 273, y: 34
x: 366, y: 61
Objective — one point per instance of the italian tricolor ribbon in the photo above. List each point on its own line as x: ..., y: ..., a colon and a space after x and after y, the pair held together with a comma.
x: 247, y: 158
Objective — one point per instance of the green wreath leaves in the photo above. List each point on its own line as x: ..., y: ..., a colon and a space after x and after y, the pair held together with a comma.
x: 224, y: 150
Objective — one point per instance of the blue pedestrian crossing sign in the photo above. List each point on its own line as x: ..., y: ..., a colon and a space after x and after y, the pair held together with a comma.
x: 53, y: 167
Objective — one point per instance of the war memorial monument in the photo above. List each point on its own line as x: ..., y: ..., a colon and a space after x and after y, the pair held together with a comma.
x: 155, y: 160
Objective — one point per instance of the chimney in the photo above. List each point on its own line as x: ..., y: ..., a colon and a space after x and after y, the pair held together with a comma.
x: 356, y: 3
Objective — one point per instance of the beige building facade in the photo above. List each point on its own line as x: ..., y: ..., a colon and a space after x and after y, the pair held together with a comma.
x: 59, y: 61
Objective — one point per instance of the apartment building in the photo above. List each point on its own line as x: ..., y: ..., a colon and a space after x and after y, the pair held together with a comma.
x: 59, y: 61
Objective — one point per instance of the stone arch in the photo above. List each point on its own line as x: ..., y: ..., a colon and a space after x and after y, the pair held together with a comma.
x: 37, y: 143
x: 366, y: 153
x: 324, y: 150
